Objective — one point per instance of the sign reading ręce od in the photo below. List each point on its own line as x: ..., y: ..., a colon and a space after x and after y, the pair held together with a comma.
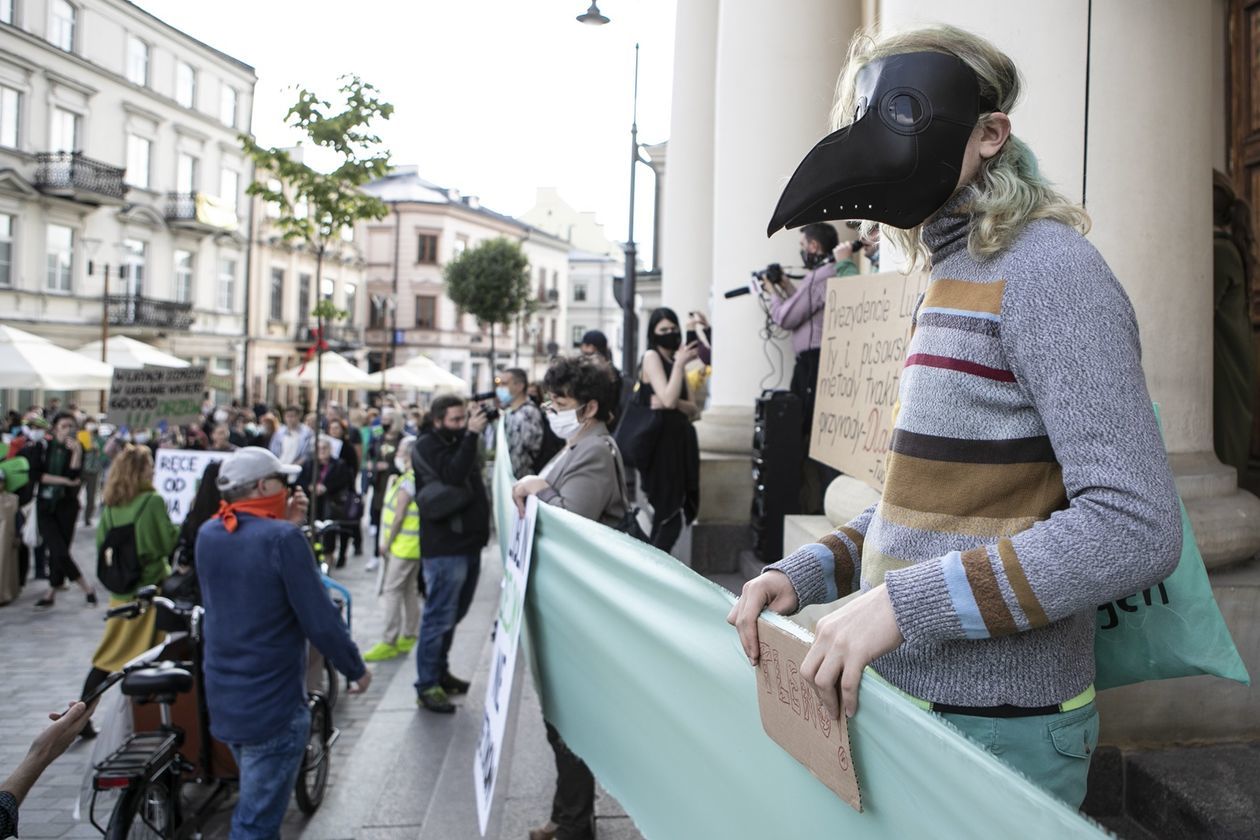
x: 141, y: 399
x: 177, y: 475
x: 507, y: 633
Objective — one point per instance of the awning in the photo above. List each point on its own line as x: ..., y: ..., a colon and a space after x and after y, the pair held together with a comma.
x: 128, y: 354
x: 337, y: 372
x: 28, y: 361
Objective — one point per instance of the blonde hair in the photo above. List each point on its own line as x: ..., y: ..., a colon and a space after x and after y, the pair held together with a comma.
x: 1009, y: 191
x: 128, y: 476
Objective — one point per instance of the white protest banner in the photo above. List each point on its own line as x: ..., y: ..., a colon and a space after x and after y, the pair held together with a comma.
x: 866, y: 330
x: 142, y: 399
x: 507, y: 634
x: 177, y: 475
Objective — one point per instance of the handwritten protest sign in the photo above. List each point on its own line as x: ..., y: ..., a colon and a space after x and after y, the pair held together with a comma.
x: 177, y: 475
x: 507, y: 633
x: 796, y: 719
x: 866, y: 330
x: 141, y: 399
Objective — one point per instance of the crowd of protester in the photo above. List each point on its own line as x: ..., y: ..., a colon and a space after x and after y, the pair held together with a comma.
x: 394, y: 465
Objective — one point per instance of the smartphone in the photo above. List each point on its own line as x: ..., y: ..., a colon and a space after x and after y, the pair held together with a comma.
x: 105, y: 685
x: 692, y: 338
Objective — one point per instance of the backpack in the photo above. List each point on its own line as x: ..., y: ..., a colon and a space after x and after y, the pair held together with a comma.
x: 117, y: 561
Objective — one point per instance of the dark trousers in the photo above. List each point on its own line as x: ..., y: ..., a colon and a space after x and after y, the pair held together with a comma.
x: 815, y: 476
x: 573, y: 806
x: 332, y: 540
x: 666, y: 528
x: 56, y: 528
x: 466, y: 593
x: 91, y: 483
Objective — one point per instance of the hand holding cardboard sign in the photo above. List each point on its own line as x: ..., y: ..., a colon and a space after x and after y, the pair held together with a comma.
x: 845, y: 642
x: 770, y: 589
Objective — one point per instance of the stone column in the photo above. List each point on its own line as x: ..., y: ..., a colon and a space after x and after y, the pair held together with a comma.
x: 775, y: 79
x: 686, y: 242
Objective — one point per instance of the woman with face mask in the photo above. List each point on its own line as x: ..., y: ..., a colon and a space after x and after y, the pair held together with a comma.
x: 60, y: 464
x: 586, y: 477
x: 672, y: 479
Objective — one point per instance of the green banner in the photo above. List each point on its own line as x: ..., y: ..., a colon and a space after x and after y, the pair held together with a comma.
x: 638, y: 669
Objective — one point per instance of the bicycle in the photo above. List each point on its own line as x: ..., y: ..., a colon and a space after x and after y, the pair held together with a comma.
x: 329, y: 683
x: 153, y: 767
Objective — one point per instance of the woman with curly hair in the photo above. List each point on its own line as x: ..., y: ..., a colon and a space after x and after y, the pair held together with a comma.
x: 130, y: 500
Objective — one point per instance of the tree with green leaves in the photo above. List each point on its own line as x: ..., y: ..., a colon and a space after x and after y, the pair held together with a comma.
x: 330, y: 201
x: 491, y: 283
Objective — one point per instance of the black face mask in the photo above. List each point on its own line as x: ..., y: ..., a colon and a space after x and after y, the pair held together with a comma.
x: 668, y: 341
x: 812, y: 261
x: 900, y: 159
x: 450, y: 435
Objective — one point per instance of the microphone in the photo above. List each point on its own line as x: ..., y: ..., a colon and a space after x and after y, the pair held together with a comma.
x: 734, y: 293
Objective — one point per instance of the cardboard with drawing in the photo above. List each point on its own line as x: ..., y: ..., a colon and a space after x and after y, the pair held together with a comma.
x: 796, y: 720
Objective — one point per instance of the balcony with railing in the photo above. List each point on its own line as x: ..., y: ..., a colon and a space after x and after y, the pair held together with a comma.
x: 140, y: 311
x: 199, y: 213
x: 79, y: 178
x: 338, y: 336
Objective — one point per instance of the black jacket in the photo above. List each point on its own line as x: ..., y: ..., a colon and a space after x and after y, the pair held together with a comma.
x: 456, y: 463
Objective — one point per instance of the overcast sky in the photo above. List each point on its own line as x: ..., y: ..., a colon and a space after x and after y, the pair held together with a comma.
x: 491, y: 97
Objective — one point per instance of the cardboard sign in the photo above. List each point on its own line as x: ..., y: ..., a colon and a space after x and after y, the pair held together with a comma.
x: 177, y: 475
x: 507, y: 633
x: 142, y: 399
x: 866, y: 330
x: 796, y: 719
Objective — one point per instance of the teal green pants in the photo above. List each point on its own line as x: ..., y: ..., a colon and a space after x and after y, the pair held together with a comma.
x: 1053, y: 751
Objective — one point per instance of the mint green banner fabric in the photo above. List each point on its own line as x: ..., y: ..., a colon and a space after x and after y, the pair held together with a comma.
x: 639, y: 671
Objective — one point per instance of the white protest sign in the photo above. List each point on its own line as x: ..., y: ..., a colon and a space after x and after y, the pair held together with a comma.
x: 507, y: 634
x: 177, y: 475
x: 866, y: 331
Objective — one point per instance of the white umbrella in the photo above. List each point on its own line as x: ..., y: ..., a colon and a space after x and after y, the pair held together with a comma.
x: 338, y: 372
x: 126, y: 353
x: 28, y: 361
x: 436, y: 377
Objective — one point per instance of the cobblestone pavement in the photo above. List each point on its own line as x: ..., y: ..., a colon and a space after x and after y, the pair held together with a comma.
x: 396, y: 771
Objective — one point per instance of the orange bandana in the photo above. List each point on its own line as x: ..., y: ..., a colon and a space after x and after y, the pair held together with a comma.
x: 268, y: 507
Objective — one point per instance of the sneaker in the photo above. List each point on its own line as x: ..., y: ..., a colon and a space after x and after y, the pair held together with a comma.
x: 544, y: 832
x: 452, y: 684
x: 372, y: 564
x: 381, y: 651
x: 406, y: 644
x: 90, y: 598
x: 435, y: 700
x: 44, y: 603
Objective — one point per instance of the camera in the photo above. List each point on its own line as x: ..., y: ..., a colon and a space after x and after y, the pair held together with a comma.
x: 489, y: 402
x: 772, y: 274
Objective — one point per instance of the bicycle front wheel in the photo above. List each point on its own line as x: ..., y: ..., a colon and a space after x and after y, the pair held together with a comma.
x: 147, y: 811
x: 313, y: 773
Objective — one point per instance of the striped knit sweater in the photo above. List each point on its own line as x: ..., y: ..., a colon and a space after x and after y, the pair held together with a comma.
x: 1026, y: 483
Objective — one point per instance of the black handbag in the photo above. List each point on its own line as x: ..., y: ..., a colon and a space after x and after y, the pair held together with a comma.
x: 117, y: 562
x: 435, y: 499
x: 639, y: 428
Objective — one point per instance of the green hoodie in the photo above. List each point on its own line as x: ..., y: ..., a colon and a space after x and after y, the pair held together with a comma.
x: 155, y: 535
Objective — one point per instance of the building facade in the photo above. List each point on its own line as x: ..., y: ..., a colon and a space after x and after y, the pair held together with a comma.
x: 122, y: 181
x: 285, y: 286
x: 408, y: 311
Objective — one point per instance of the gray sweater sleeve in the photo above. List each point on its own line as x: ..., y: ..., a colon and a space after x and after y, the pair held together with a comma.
x: 1070, y: 336
x: 831, y: 568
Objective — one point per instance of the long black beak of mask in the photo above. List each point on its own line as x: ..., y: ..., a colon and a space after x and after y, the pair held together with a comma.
x: 899, y: 161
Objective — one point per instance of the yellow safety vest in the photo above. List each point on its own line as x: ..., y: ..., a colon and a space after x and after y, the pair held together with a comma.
x: 406, y: 546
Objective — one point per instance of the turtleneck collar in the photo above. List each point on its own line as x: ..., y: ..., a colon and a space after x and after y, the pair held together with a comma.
x: 945, y: 232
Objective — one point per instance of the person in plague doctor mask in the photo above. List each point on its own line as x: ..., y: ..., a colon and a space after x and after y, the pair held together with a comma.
x: 1026, y: 479
x: 585, y: 477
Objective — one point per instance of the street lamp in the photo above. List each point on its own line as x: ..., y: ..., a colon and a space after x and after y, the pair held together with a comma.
x: 592, y: 16
x: 383, y: 304
x: 91, y: 245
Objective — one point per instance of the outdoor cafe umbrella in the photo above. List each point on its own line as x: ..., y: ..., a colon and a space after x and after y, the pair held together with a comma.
x: 125, y: 353
x: 338, y: 373
x: 423, y: 374
x: 30, y: 362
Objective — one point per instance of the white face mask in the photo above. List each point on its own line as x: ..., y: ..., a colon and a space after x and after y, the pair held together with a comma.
x: 220, y: 416
x: 565, y: 424
x: 401, y: 465
x: 141, y: 438
x: 35, y: 434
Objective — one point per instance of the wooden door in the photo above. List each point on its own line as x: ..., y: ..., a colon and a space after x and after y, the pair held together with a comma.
x: 1243, y: 95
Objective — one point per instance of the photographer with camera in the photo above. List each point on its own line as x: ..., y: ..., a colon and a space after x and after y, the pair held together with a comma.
x: 800, y: 310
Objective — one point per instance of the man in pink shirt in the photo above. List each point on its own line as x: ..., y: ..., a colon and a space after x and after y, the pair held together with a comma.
x: 800, y: 310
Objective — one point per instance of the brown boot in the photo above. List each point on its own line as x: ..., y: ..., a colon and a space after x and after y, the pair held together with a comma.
x: 546, y: 832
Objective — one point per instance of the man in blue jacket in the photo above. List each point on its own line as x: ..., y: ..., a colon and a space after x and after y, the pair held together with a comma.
x: 264, y: 602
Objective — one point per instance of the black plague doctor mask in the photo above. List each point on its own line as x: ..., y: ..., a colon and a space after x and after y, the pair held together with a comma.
x: 900, y: 159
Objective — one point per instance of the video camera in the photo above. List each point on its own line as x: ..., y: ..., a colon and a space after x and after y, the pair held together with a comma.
x: 489, y: 402
x: 772, y: 274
